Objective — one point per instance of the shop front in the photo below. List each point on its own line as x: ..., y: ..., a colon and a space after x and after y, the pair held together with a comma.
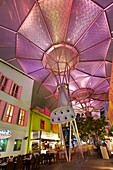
x: 49, y: 141
x: 41, y: 141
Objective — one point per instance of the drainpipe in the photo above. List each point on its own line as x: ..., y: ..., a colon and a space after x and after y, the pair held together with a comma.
x: 29, y: 132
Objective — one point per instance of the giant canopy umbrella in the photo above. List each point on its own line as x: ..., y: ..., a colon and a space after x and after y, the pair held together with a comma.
x: 44, y: 37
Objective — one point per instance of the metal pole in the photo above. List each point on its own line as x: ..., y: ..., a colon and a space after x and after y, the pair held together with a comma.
x: 78, y: 138
x: 63, y: 100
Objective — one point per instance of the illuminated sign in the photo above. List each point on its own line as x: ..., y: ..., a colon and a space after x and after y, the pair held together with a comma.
x: 51, y: 136
x: 5, y: 134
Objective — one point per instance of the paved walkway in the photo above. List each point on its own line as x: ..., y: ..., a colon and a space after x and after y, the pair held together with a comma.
x: 90, y: 164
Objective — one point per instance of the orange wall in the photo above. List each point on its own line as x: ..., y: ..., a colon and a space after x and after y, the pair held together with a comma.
x: 110, y: 108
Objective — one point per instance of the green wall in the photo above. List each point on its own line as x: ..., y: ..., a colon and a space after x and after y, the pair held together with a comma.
x: 35, y: 121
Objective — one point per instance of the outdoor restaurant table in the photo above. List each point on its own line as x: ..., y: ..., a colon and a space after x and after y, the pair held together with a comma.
x: 3, y: 165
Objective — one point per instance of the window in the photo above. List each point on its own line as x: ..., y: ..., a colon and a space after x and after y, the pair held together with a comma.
x: 9, y: 86
x: 17, y: 145
x: 9, y: 113
x: 3, y: 145
x: 3, y: 82
x: 42, y: 124
x: 21, y: 117
x: 14, y: 90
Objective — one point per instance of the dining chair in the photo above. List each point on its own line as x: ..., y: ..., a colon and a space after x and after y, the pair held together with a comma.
x: 10, y: 166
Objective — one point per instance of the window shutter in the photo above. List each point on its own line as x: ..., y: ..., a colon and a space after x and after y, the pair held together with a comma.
x: 10, y: 92
x: 2, y: 106
x: 0, y: 74
x: 15, y: 115
x: 5, y: 113
x: 45, y: 125
x: 8, y: 86
x: 26, y: 119
x: 19, y: 92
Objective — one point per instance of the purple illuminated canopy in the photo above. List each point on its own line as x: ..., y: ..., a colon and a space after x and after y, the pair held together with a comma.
x: 48, y: 39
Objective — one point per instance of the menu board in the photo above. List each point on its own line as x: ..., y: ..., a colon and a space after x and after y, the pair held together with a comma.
x: 104, y: 152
